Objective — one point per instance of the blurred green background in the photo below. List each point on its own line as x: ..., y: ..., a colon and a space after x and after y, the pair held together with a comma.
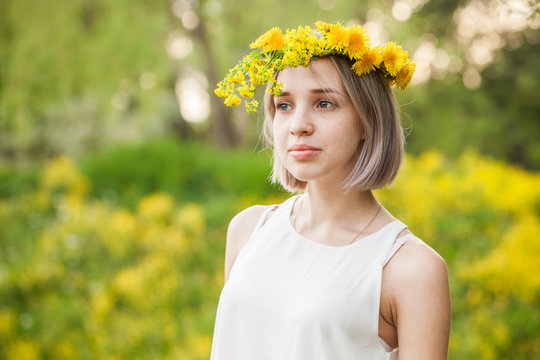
x: 119, y: 169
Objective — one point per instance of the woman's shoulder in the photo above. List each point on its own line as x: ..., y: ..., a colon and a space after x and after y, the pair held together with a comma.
x: 245, y: 221
x: 416, y: 274
x: 416, y: 259
x: 240, y: 229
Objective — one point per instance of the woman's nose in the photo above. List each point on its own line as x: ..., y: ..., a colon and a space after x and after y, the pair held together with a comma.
x: 301, y: 123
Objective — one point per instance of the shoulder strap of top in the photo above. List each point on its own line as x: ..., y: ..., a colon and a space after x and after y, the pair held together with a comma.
x: 273, y: 211
x: 396, y: 245
x: 264, y: 217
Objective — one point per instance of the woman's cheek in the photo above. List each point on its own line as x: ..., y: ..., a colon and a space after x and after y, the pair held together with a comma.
x: 280, y: 137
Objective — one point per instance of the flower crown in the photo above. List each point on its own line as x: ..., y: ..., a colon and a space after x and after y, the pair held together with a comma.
x: 298, y: 47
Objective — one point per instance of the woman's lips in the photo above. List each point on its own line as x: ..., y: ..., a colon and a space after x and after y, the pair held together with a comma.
x: 302, y: 151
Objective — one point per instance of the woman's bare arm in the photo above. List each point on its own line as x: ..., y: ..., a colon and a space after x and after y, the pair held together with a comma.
x: 420, y: 300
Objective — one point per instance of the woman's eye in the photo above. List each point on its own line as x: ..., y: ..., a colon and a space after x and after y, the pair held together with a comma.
x: 282, y: 107
x: 325, y: 104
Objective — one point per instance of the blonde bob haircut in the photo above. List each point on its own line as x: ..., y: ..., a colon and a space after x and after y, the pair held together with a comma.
x: 379, y: 154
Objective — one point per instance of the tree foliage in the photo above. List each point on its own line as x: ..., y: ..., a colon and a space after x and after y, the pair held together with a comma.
x: 68, y: 66
x: 78, y: 74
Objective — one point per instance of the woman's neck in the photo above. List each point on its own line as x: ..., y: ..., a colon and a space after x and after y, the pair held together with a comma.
x: 335, y: 206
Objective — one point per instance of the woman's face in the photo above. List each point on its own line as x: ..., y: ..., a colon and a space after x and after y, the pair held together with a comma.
x: 316, y: 130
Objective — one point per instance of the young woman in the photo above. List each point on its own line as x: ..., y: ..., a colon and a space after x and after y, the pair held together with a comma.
x: 328, y: 274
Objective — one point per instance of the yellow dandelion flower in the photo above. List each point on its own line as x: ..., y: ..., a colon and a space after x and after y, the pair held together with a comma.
x: 403, y: 78
x: 323, y: 26
x: 337, y: 37
x: 358, y: 42
x: 394, y: 58
x: 368, y: 62
x: 271, y: 40
x: 232, y: 100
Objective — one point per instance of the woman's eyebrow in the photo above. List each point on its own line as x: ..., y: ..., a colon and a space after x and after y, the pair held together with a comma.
x: 325, y: 91
x: 284, y: 93
x: 315, y: 91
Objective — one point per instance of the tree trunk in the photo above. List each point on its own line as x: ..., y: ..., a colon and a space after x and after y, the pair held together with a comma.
x: 222, y: 128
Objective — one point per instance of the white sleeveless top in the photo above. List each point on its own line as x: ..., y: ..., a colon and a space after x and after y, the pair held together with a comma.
x: 289, y: 297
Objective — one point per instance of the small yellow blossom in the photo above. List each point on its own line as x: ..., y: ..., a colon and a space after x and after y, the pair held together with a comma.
x: 246, y: 90
x: 232, y: 100
x: 251, y: 107
x: 221, y: 91
x: 277, y: 89
x: 236, y: 75
x: 291, y: 59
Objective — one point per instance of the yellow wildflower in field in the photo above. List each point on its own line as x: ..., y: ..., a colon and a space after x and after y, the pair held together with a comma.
x: 101, y: 305
x: 62, y: 174
x: 155, y: 206
x: 22, y: 350
x: 65, y: 350
x: 512, y: 266
x: 153, y: 279
x: 200, y: 346
x: 190, y: 218
x: 122, y: 223
x: 7, y: 322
